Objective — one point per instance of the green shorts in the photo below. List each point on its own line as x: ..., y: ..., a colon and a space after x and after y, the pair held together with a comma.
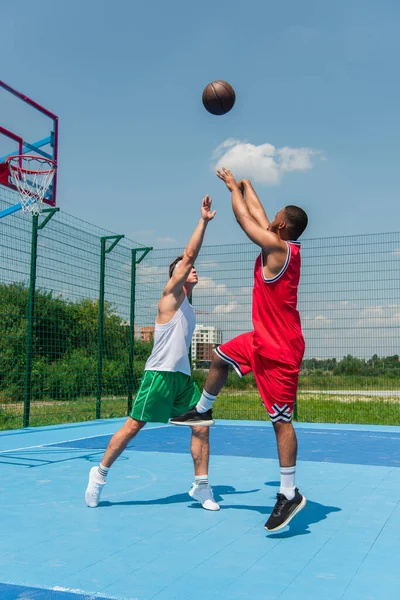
x: 164, y: 394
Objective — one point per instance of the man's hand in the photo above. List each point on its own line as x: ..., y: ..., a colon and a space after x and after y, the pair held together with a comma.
x: 206, y: 213
x: 228, y: 178
x: 243, y: 183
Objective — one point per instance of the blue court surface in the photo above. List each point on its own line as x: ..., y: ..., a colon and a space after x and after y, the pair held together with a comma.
x: 148, y: 540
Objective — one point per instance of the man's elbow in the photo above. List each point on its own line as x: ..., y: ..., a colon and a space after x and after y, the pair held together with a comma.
x: 189, y: 255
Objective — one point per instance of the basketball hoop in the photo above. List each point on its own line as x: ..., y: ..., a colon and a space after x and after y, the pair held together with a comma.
x: 32, y: 177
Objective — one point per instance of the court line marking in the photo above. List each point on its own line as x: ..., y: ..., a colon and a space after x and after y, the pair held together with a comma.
x: 72, y: 440
x: 370, y: 435
x: 80, y: 594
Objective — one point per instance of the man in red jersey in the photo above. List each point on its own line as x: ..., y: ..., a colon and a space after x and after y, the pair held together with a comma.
x: 273, y: 351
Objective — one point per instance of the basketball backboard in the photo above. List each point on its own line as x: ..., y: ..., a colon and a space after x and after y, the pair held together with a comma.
x: 26, y: 128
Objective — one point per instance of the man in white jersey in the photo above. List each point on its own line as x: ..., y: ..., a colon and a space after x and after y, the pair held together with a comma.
x: 167, y: 388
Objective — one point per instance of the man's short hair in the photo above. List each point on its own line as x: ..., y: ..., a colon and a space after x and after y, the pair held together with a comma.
x: 173, y: 265
x: 296, y: 220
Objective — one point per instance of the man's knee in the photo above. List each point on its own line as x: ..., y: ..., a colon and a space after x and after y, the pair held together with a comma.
x: 282, y: 427
x: 132, y: 426
x: 202, y: 433
x: 218, y: 363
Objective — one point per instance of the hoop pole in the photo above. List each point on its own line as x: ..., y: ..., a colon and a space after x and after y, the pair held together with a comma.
x: 30, y: 317
x: 131, y: 373
x: 50, y: 213
x: 100, y: 330
x: 31, y: 312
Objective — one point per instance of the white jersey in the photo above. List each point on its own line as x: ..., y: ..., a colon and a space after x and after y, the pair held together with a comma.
x: 172, y: 342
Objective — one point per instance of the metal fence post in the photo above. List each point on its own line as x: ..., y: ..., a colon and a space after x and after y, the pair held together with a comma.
x: 295, y: 415
x: 135, y: 261
x: 31, y: 311
x: 100, y: 335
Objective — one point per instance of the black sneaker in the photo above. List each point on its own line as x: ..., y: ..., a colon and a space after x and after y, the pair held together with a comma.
x: 192, y: 418
x: 284, y: 511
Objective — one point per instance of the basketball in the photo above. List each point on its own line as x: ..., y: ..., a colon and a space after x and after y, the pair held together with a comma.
x: 218, y: 97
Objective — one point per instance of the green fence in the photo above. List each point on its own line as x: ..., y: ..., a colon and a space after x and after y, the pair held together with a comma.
x: 68, y: 350
x: 349, y: 300
x: 78, y: 305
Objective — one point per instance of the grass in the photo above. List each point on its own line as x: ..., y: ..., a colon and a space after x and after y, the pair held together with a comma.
x: 348, y: 382
x: 316, y: 408
x: 54, y: 412
x: 231, y: 404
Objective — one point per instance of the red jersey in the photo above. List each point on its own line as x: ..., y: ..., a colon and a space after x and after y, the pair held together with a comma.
x: 277, y: 327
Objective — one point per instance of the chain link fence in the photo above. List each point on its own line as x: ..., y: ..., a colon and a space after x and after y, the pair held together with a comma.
x: 78, y: 305
x: 349, y: 301
x: 67, y: 346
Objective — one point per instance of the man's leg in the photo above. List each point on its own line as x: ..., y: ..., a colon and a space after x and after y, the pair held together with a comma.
x: 237, y: 353
x: 200, y: 449
x: 216, y: 376
x: 120, y: 440
x: 289, y: 500
x: 287, y: 443
x: 201, y: 414
x: 287, y: 451
x: 117, y: 444
x: 279, y: 380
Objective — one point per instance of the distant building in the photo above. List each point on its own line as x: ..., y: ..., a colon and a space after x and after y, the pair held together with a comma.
x: 147, y: 333
x: 205, y: 339
x: 203, y: 352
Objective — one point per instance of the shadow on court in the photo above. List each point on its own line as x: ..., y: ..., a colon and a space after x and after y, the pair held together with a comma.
x: 220, y: 491
x: 313, y: 512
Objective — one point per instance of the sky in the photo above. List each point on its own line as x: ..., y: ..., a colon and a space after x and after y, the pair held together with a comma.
x: 316, y: 121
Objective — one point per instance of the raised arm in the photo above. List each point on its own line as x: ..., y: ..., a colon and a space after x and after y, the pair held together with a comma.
x: 254, y: 205
x: 182, y: 270
x: 267, y: 240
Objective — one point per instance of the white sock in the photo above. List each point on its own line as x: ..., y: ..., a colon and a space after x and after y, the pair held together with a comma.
x: 287, y: 482
x: 201, y: 479
x: 103, y: 471
x: 205, y: 402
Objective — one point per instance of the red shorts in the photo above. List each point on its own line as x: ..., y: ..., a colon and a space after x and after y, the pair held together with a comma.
x: 276, y: 381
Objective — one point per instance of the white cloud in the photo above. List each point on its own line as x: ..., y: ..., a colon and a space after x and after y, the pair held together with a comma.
x: 225, y: 308
x: 379, y: 316
x: 207, y: 285
x: 127, y: 267
x: 206, y: 264
x: 264, y: 163
x: 396, y: 252
x: 246, y: 291
x: 317, y: 321
x: 149, y: 271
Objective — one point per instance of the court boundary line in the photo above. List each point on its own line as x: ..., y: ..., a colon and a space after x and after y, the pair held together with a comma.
x: 80, y: 594
x: 88, y: 437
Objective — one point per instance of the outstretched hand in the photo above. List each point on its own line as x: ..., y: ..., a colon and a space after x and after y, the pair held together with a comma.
x: 243, y: 183
x: 227, y: 177
x: 206, y: 213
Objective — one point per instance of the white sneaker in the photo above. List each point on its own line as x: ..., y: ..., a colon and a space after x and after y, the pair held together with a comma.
x: 94, y: 488
x: 204, y: 494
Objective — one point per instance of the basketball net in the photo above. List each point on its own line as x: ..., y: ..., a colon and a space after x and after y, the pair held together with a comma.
x: 32, y: 176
